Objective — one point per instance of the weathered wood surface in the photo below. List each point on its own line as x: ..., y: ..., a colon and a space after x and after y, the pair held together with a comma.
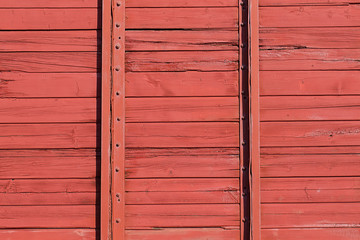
x: 50, y: 4
x: 309, y: 83
x: 177, y: 162
x: 53, y: 234
x: 181, y: 18
x: 180, y: 61
x: 180, y: 3
x: 339, y: 233
x: 310, y: 150
x: 181, y: 84
x: 306, y: 2
x: 52, y: 85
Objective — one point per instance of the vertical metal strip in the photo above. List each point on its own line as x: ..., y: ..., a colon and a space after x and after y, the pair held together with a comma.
x: 118, y: 120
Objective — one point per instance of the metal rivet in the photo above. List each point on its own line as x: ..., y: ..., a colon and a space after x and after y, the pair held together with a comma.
x: 117, y: 169
x: 242, y: 45
x: 243, y: 168
x: 244, y: 194
x: 243, y: 117
x: 242, y: 24
x: 117, y: 93
x: 242, y: 92
x: 118, y: 119
x: 117, y: 46
x: 117, y: 195
x: 118, y: 4
x: 117, y: 69
x: 244, y: 219
x: 117, y: 220
x: 243, y: 67
x: 117, y: 145
x: 117, y: 25
x: 241, y: 3
x: 243, y: 143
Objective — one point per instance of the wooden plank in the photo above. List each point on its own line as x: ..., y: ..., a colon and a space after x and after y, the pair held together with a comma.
x: 39, y: 62
x: 311, y: 150
x: 310, y: 190
x: 331, y: 37
x: 182, y: 191
x: 180, y: 61
x: 309, y: 83
x: 166, y: 163
x: 16, y: 136
x: 180, y: 3
x: 184, y: 233
x: 308, y: 233
x: 310, y: 16
x: 310, y: 59
x: 182, y: 84
x: 47, y: 216
x: 198, y: 215
x: 310, y: 108
x: 314, y: 215
x: 50, y: 4
x: 45, y: 110
x: 54, y: 234
x: 310, y: 165
x: 188, y: 18
x: 181, y: 109
x: 49, y: 19
x: 306, y: 2
x: 26, y: 85
x: 16, y: 41
x: 310, y: 133
x: 181, y: 40
x: 182, y: 135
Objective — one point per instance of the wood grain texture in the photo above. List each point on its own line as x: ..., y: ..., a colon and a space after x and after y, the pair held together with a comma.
x: 47, y: 216
x: 182, y: 135
x: 310, y: 165
x: 180, y: 3
x: 49, y: 19
x: 199, y: 215
x: 74, y: 163
x: 310, y: 150
x: 184, y: 233
x: 40, y: 62
x: 182, y: 84
x: 17, y: 136
x: 180, y: 61
x: 181, y: 40
x: 330, y: 37
x: 181, y: 18
x: 310, y: 59
x: 50, y: 4
x: 312, y: 215
x: 14, y: 110
x: 54, y: 234
x: 309, y: 83
x: 310, y: 190
x: 16, y: 41
x: 314, y: 108
x: 310, y: 133
x: 168, y: 163
x: 310, y: 16
x: 181, y: 109
x: 319, y: 234
x: 27, y: 85
x: 305, y: 2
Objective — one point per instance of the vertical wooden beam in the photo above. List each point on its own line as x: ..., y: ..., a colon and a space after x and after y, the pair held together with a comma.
x: 254, y: 120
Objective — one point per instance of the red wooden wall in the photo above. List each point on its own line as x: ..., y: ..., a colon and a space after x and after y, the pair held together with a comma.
x: 49, y: 68
x: 309, y: 87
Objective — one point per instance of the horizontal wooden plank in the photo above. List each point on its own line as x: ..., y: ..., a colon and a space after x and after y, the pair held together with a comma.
x: 165, y: 163
x: 22, y: 41
x: 310, y: 133
x: 49, y: 62
x: 181, y: 18
x: 312, y: 108
x: 180, y: 61
x: 180, y: 3
x: 16, y: 186
x: 17, y: 136
x: 182, y: 135
x: 308, y: 233
x: 184, y: 233
x: 25, y: 85
x: 198, y: 215
x: 310, y: 16
x: 49, y: 19
x: 181, y: 84
x: 305, y: 2
x: 50, y: 4
x: 309, y: 83
x: 331, y: 37
x: 73, y: 163
x: 53, y: 234
x: 310, y: 165
x: 310, y: 150
x: 47, y: 216
x: 314, y: 215
x: 182, y: 191
x: 302, y: 190
x: 181, y: 40
x: 181, y: 109
x: 14, y: 110
x: 310, y: 59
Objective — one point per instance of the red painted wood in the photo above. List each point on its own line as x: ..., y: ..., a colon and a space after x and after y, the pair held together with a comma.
x: 54, y: 234
x: 182, y: 84
x: 318, y: 233
x: 180, y: 3
x: 311, y: 150
x: 305, y: 2
x: 50, y: 4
